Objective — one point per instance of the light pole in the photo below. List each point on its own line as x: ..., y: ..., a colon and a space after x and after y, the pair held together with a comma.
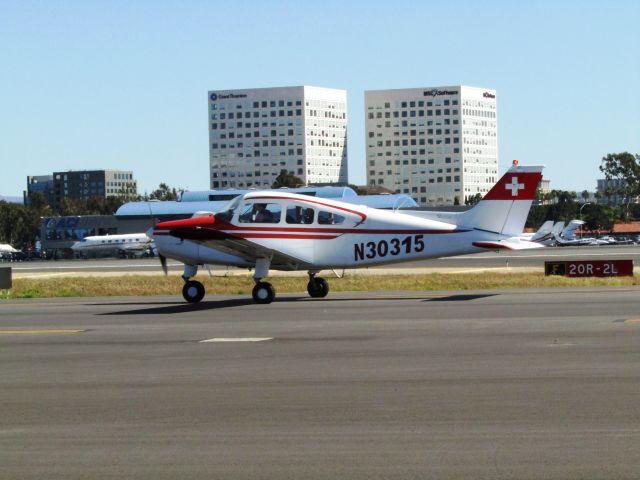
x: 580, y: 214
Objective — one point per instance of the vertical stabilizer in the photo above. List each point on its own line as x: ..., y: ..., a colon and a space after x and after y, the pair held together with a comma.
x: 505, y: 208
x: 544, y: 232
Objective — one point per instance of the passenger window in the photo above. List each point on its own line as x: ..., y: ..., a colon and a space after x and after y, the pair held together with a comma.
x: 300, y: 215
x: 260, y: 213
x: 328, y: 218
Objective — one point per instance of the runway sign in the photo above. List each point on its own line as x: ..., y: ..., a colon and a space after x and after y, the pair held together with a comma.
x: 590, y: 268
x: 5, y: 278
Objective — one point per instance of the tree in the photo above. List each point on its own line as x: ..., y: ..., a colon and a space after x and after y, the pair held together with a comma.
x: 599, y: 217
x: 624, y: 169
x: 286, y: 179
x: 585, y: 196
x: 564, y: 206
x: 19, y: 227
x: 473, y: 199
x: 164, y: 193
x: 359, y: 191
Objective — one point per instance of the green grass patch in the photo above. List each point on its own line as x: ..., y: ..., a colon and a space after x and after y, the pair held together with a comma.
x: 172, y: 285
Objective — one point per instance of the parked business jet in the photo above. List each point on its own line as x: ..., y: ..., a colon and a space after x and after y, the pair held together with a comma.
x: 131, y: 243
x: 266, y: 230
x: 568, y: 237
x: 6, y: 248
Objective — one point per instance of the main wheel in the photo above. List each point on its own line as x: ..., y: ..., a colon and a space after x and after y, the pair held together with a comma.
x: 318, y: 287
x: 193, y: 291
x: 263, y: 292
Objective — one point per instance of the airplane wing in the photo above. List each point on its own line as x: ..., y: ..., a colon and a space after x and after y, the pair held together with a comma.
x: 236, y: 243
x: 128, y: 247
x: 508, y: 244
x: 250, y: 250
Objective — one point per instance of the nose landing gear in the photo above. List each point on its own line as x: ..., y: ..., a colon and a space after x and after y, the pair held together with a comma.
x: 193, y: 291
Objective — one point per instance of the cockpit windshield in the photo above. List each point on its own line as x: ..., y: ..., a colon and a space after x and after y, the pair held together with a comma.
x: 226, y: 212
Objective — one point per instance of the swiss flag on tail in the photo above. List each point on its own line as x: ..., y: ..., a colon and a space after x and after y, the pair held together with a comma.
x: 519, y: 185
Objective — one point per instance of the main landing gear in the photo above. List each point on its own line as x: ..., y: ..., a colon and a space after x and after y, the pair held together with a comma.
x: 317, y: 287
x: 263, y: 292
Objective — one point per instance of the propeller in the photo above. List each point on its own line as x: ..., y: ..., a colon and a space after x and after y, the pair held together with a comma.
x: 163, y: 259
x: 163, y: 263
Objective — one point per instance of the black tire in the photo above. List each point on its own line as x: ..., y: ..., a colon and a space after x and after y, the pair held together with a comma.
x: 193, y: 291
x: 263, y: 292
x: 318, y: 287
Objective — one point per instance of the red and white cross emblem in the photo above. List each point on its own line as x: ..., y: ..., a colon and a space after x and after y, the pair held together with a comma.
x: 514, y: 186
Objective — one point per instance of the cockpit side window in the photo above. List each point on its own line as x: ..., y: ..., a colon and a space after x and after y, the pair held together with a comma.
x: 300, y: 215
x: 329, y: 218
x: 260, y: 213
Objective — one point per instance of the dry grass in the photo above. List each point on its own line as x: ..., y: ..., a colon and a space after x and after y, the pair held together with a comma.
x: 172, y: 285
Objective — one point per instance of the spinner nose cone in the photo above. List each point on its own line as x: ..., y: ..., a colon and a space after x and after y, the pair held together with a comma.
x: 185, y: 226
x: 204, y: 221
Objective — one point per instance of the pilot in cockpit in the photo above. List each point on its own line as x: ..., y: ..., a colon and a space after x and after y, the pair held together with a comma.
x: 261, y: 214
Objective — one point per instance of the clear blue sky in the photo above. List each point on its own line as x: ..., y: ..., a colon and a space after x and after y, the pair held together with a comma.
x: 122, y: 84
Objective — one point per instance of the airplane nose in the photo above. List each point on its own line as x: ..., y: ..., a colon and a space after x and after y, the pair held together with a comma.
x: 194, y: 222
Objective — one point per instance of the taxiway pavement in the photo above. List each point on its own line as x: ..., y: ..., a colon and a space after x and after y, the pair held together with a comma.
x: 485, y: 384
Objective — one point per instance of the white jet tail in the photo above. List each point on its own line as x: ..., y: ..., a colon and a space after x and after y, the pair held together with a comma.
x: 557, y: 228
x: 505, y: 208
x: 544, y: 232
x: 569, y: 232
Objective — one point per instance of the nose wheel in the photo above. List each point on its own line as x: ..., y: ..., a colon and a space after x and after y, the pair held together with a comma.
x: 193, y: 291
x: 317, y: 287
x: 263, y: 292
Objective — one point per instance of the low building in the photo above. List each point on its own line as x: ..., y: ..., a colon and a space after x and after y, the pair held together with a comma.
x: 41, y: 184
x: 85, y: 184
x: 607, y: 186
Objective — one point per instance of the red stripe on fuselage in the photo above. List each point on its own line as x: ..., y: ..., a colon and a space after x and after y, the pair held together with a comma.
x: 233, y: 228
x: 285, y: 235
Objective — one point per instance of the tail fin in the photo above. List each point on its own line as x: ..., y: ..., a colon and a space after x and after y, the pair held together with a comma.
x: 505, y: 208
x: 569, y: 232
x: 557, y: 229
x: 544, y: 232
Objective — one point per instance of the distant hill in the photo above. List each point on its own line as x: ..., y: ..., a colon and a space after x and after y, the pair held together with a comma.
x: 10, y: 199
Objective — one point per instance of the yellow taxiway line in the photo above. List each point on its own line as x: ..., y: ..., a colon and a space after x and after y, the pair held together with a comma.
x: 38, y: 332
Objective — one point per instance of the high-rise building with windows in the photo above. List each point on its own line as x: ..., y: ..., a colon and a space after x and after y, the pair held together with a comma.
x: 255, y: 133
x: 439, y: 145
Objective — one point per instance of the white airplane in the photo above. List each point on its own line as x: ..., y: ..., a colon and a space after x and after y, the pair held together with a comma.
x: 6, y: 248
x: 266, y: 230
x: 134, y: 243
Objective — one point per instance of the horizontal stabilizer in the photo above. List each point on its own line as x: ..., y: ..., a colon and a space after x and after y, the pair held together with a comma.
x: 508, y: 244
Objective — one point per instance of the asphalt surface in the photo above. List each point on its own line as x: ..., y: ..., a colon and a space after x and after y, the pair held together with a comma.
x: 488, y: 384
x: 529, y: 259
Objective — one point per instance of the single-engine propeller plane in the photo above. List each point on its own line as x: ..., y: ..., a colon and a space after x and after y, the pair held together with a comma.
x: 265, y: 230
